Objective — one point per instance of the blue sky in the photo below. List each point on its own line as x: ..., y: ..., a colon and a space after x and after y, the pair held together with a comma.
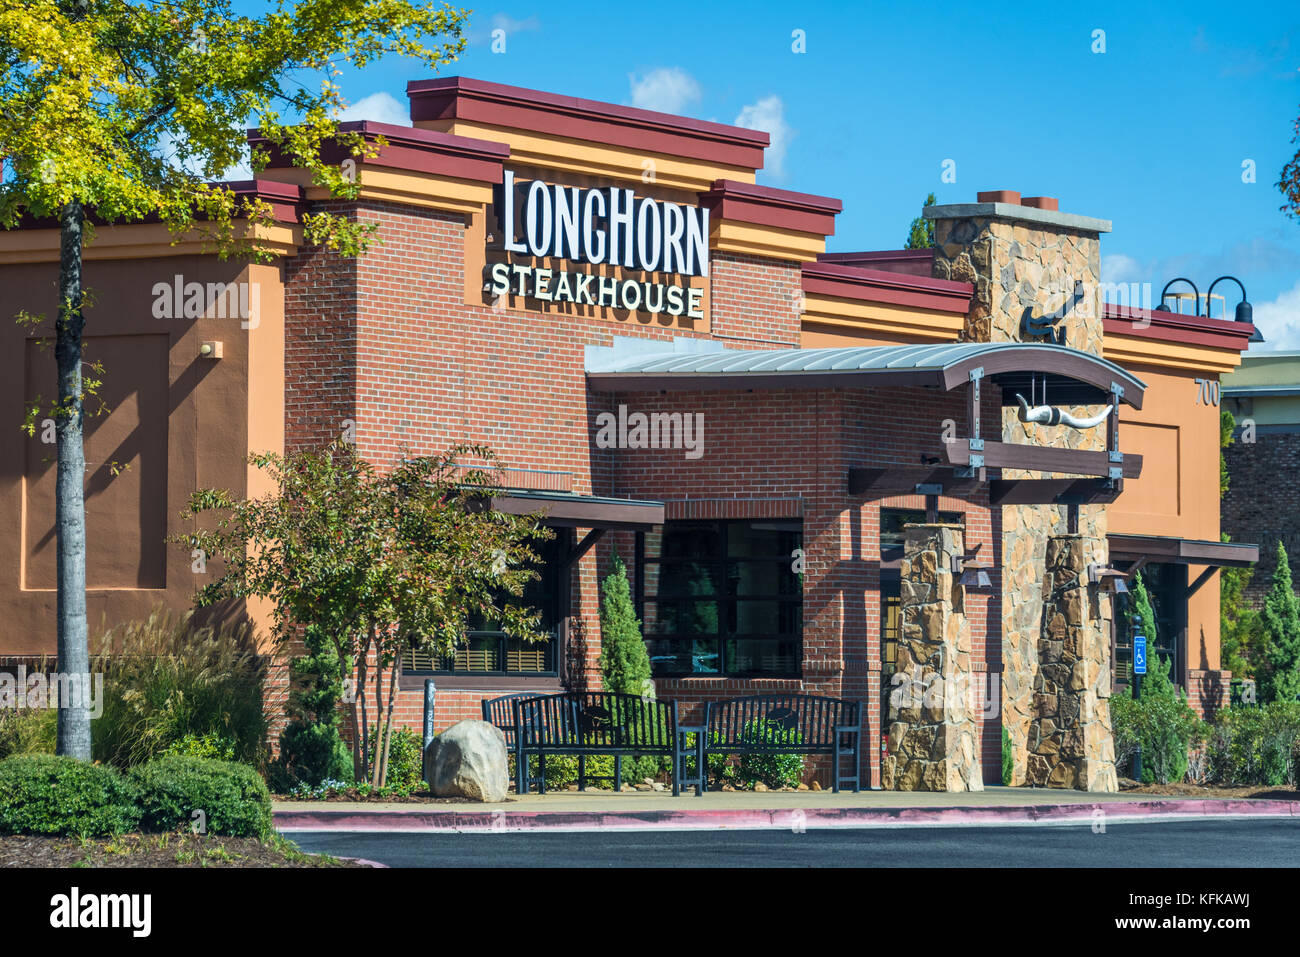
x: 1152, y: 133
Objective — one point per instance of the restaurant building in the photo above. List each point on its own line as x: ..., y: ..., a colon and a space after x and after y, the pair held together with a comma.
x: 826, y: 471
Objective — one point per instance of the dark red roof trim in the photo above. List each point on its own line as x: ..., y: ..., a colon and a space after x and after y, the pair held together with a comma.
x: 878, y: 285
x: 422, y: 151
x: 912, y: 262
x: 1175, y: 327
x: 764, y: 206
x: 459, y: 97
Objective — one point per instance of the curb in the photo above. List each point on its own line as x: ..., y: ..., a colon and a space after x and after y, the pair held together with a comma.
x: 499, y: 821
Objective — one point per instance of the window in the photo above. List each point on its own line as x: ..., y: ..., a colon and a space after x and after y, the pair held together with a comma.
x: 891, y: 615
x: 489, y: 651
x: 722, y: 598
x: 1167, y: 588
x: 892, y: 521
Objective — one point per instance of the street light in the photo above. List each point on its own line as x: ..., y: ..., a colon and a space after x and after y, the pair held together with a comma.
x: 1196, y: 298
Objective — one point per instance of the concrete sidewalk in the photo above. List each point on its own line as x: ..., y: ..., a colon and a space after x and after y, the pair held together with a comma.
x: 641, y: 810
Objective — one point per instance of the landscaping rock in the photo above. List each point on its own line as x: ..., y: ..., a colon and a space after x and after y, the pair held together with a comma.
x: 469, y: 760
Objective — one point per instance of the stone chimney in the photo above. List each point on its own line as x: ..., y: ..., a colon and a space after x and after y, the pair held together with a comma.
x: 1037, y: 278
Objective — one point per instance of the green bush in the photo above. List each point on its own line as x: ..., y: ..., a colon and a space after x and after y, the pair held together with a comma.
x: 1255, y: 745
x: 773, y: 768
x: 49, y: 794
x: 310, y: 754
x: 202, y: 746
x: 1008, y: 758
x: 168, y: 681
x: 404, y: 760
x: 1161, y: 721
x: 28, y: 731
x: 232, y: 797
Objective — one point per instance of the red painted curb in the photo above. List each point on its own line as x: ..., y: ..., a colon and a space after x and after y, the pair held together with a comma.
x: 784, y: 818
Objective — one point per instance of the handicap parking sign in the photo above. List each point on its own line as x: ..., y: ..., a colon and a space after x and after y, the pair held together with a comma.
x: 1139, y: 654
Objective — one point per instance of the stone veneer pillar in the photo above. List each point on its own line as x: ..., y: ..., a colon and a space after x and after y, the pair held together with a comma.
x: 1070, y: 742
x: 933, y: 738
x: 1019, y: 258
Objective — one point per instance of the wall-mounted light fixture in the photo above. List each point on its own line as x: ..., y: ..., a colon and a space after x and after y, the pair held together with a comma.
x: 1244, y: 312
x: 1108, y: 579
x: 210, y: 350
x: 974, y: 574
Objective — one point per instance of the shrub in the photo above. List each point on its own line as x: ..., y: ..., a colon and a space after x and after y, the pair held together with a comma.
x: 49, y: 794
x: 311, y: 754
x: 404, y: 760
x: 1161, y: 721
x: 1281, y: 677
x: 624, y: 661
x: 28, y: 731
x: 1255, y: 745
x: 1008, y: 758
x: 773, y: 768
x: 167, y: 681
x: 202, y: 746
x: 232, y: 797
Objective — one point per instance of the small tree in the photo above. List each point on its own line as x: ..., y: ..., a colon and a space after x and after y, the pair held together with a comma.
x: 1281, y: 680
x: 921, y: 233
x: 122, y: 110
x: 376, y: 562
x: 1241, y: 630
x: 1143, y: 611
x: 624, y: 662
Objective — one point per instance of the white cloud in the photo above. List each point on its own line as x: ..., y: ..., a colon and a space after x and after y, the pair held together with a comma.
x: 666, y: 90
x: 381, y: 108
x: 768, y: 115
x: 1279, y: 320
x: 504, y: 22
x: 1120, y: 268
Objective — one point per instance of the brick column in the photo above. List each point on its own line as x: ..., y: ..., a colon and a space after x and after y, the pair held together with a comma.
x: 1070, y: 743
x: 933, y: 737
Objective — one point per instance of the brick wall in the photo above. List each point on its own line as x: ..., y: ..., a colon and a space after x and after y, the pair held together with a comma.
x: 1263, y: 503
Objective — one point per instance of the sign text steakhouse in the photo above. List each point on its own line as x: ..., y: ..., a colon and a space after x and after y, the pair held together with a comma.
x: 611, y: 226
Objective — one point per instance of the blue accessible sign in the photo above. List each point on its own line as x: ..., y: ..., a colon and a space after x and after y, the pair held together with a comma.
x: 1139, y: 654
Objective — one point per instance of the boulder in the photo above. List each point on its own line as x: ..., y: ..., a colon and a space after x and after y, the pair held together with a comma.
x: 468, y: 760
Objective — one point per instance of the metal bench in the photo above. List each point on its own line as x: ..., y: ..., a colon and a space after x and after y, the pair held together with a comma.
x: 803, y: 724
x: 599, y: 723
x: 501, y: 713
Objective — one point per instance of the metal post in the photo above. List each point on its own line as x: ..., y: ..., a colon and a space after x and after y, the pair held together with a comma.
x: 429, y: 692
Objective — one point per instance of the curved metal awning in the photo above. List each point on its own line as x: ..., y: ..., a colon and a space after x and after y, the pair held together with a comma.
x: 1071, y: 377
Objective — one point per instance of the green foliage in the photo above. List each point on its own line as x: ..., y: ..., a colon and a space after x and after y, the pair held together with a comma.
x: 920, y: 235
x: 774, y: 769
x: 1161, y: 721
x: 57, y: 795
x: 310, y: 754
x: 624, y: 661
x: 1142, y: 609
x: 202, y: 746
x: 312, y: 749
x: 27, y: 731
x: 1281, y: 678
x: 404, y: 760
x: 169, y: 684
x: 232, y: 797
x: 1255, y: 745
x: 1008, y: 758
x: 370, y: 563
x: 1242, y: 639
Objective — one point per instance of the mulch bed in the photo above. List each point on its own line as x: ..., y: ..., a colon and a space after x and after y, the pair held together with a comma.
x: 175, y: 849
x: 1261, y: 791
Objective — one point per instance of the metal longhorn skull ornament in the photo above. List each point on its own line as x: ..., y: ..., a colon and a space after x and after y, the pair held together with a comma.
x: 1050, y: 415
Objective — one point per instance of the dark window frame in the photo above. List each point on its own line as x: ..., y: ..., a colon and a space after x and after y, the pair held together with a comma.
x: 721, y: 564
x: 557, y: 548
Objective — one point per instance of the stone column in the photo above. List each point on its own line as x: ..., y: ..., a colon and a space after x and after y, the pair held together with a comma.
x: 933, y: 737
x: 1070, y: 743
x: 1027, y: 256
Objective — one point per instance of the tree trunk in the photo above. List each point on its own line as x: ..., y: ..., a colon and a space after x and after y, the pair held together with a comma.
x: 387, y: 742
x: 70, y: 505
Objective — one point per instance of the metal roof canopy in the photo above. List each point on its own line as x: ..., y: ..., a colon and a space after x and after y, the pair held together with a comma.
x: 1181, y: 551
x: 569, y: 510
x: 1072, y: 377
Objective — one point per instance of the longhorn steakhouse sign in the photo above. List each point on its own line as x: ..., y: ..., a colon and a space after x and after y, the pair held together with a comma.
x: 596, y: 250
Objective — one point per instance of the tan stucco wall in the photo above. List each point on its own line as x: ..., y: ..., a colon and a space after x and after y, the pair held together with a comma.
x: 176, y: 421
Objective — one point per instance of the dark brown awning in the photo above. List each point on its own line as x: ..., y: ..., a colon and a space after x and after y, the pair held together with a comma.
x: 567, y: 510
x: 1181, y: 551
